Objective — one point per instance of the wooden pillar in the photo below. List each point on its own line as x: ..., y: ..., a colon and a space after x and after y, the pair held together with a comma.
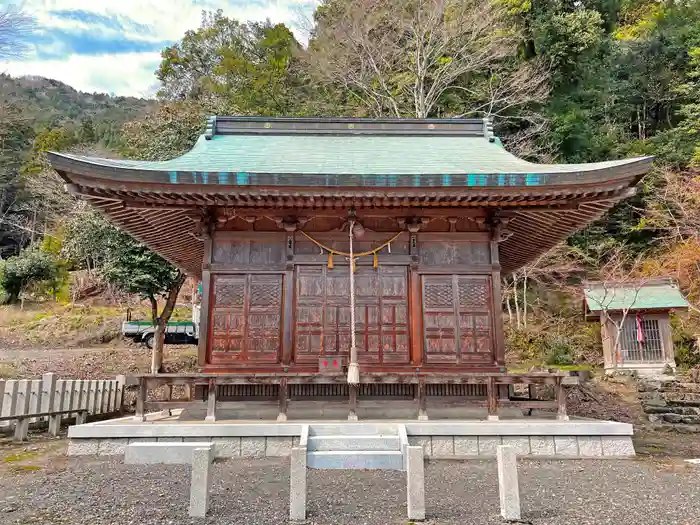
x: 415, y: 313
x: 141, y: 400
x: 205, y: 305
x: 352, y: 413
x: 492, y: 399
x: 288, y: 301
x: 561, y: 400
x: 499, y: 336
x: 211, y: 400
x: 283, y: 400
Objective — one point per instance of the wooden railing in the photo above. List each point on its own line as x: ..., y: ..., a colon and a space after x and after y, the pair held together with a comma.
x: 49, y: 400
x: 496, y: 384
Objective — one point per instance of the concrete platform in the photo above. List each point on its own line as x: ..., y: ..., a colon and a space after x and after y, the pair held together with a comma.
x: 541, y: 436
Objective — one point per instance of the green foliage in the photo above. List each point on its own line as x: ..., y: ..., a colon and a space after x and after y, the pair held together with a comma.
x: 31, y: 268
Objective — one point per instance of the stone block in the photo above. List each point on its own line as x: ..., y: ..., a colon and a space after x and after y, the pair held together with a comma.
x: 565, y: 446
x: 295, y: 441
x: 442, y: 446
x: 542, y: 445
x: 142, y: 440
x: 508, y: 489
x: 253, y: 447
x: 690, y: 420
x: 466, y: 446
x: 227, y: 447
x: 654, y: 409
x: 297, y: 484
x: 488, y: 445
x: 521, y: 444
x: 421, y: 441
x: 161, y: 453
x: 672, y: 418
x: 111, y: 447
x: 82, y: 447
x: 172, y: 440
x: 415, y: 483
x: 620, y: 446
x: 654, y: 418
x: 590, y: 446
x: 278, y: 446
x: 200, y: 484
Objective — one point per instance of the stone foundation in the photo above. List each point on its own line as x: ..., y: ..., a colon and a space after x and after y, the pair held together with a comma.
x: 439, y: 439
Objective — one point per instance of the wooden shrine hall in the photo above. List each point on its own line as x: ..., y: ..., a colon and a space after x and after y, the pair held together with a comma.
x: 264, y: 211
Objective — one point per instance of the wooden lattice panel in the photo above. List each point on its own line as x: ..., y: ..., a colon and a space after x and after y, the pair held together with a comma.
x: 323, y: 313
x: 457, y: 319
x: 246, y: 318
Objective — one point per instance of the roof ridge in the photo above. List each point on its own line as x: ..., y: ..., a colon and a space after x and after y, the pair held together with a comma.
x: 248, y: 125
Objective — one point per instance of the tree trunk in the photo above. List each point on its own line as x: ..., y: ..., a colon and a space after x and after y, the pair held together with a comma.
x: 162, y: 322
x: 515, y: 299
x: 525, y: 299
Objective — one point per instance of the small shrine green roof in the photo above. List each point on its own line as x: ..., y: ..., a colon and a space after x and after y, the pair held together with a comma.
x: 635, y: 295
x: 347, y: 152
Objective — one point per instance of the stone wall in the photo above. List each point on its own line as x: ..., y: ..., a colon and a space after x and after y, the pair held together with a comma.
x: 671, y: 400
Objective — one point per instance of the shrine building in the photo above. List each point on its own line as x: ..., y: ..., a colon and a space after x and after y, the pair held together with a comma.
x: 353, y: 260
x: 260, y: 208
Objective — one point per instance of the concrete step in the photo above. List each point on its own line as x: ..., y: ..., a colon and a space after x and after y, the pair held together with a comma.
x: 357, y: 442
x: 355, y: 460
x: 359, y: 428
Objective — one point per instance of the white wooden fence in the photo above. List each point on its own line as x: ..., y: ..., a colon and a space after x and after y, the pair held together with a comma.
x: 50, y: 400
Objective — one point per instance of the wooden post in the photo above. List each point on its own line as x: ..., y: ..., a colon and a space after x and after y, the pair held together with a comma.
x: 492, y: 400
x: 561, y: 400
x: 283, y: 396
x: 211, y: 401
x: 422, y: 401
x: 141, y: 400
x: 352, y: 414
x: 119, y: 398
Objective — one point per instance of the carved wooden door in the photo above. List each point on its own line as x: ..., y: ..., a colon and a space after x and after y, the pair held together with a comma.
x: 246, y: 318
x: 457, y: 319
x: 323, y: 313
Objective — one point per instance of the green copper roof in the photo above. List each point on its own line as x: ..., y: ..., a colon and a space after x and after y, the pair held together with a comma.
x: 660, y: 294
x: 248, y: 151
x: 345, y: 155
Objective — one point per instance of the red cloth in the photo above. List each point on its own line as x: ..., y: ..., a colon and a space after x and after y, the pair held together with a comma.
x: 640, y: 329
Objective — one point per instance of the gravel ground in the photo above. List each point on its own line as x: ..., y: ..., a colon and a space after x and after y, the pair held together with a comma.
x: 99, y: 491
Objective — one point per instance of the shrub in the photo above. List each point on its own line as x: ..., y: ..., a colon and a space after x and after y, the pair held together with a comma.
x: 31, y: 268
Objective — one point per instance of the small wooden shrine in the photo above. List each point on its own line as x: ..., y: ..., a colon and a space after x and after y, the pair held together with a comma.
x: 639, y: 309
x: 260, y: 209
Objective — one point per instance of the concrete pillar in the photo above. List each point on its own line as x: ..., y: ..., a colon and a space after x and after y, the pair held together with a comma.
x: 211, y: 401
x: 57, y: 405
x: 297, y: 484
x: 415, y: 483
x: 48, y: 385
x: 200, y: 484
x: 119, y: 398
x: 508, y: 490
x: 24, y: 394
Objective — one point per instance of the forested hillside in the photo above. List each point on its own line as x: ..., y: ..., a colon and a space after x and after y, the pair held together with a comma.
x: 565, y: 81
x: 37, y: 114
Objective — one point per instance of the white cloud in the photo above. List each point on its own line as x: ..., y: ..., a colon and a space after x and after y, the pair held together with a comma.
x: 128, y: 74
x: 143, y: 20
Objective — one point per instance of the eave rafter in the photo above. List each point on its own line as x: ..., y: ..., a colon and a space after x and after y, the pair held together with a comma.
x: 169, y: 222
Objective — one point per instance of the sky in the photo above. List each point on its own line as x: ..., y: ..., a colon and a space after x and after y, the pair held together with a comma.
x: 113, y: 46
